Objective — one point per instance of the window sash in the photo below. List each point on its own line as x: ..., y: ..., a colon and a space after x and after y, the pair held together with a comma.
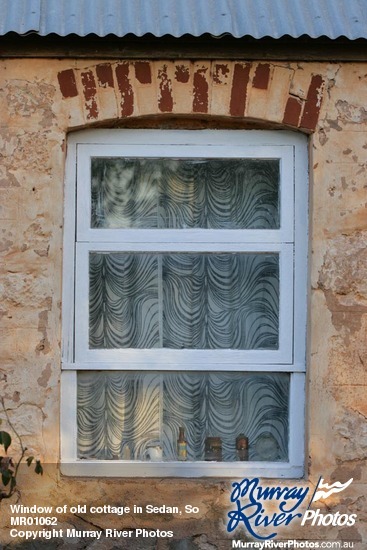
x: 181, y: 193
x: 205, y: 404
x: 71, y: 465
x: 286, y: 187
x: 256, y: 139
x: 190, y: 359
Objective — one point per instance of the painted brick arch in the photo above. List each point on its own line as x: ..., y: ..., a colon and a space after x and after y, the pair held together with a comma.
x: 274, y: 93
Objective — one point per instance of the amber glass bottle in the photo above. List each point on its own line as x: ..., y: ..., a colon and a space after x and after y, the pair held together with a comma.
x: 181, y: 445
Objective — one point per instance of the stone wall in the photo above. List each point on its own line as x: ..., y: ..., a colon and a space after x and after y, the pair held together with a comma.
x: 40, y: 102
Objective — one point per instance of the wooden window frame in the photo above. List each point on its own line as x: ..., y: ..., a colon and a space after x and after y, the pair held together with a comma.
x: 290, y: 241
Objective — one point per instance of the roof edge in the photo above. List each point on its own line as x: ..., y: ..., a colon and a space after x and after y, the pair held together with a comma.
x: 204, y: 47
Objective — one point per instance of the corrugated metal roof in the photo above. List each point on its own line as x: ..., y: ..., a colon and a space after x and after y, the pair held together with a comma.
x: 255, y: 18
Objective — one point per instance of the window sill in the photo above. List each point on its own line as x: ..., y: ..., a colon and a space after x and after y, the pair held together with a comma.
x: 120, y: 468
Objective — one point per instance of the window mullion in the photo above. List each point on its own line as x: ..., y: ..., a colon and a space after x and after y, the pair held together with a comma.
x: 160, y: 298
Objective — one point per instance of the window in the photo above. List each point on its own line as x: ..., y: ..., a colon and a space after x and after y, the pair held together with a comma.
x: 184, y: 303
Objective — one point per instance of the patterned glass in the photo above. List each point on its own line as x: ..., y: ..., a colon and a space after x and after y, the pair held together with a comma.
x: 183, y: 300
x: 163, y: 193
x: 123, y: 415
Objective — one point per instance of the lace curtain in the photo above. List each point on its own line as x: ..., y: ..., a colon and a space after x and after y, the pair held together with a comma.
x: 194, y: 301
x: 183, y: 301
x: 121, y: 414
x: 185, y: 194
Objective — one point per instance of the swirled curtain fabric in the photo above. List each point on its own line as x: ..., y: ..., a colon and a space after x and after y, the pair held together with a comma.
x: 183, y: 300
x: 122, y: 414
x: 192, y: 301
x: 185, y: 193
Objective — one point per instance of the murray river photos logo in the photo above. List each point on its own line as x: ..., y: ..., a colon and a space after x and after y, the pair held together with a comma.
x: 250, y: 500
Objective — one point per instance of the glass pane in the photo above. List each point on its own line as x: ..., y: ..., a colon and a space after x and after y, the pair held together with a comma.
x: 224, y: 416
x: 176, y: 301
x: 123, y: 301
x: 185, y: 193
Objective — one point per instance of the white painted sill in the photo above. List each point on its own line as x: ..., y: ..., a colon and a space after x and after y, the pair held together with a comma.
x: 129, y: 469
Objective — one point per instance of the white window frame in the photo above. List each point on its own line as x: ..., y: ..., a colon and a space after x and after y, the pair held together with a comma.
x: 290, y: 241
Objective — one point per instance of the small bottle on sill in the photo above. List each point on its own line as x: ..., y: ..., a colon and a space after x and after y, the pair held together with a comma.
x: 242, y: 447
x: 181, y: 445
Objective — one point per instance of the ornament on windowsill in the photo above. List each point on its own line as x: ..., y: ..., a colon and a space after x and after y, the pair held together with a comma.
x: 213, y: 448
x: 181, y: 445
x: 242, y: 447
x: 154, y: 453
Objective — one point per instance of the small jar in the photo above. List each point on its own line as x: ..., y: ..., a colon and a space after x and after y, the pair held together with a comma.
x: 242, y: 447
x: 213, y: 448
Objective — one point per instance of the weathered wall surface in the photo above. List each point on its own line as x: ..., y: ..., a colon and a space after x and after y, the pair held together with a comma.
x: 42, y: 100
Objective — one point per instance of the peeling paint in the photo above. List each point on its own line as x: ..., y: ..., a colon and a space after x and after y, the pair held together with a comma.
x: 45, y: 376
x: 182, y: 73
x: 90, y: 91
x: 223, y: 84
x: 44, y: 344
x: 201, y: 89
x: 42, y: 251
x: 7, y: 179
x: 105, y: 75
x: 5, y: 242
x: 43, y: 100
x: 16, y: 397
x: 344, y: 269
x: 31, y: 99
x: 165, y: 100
x: 349, y: 113
x: 125, y: 88
x: 350, y: 424
x: 221, y: 73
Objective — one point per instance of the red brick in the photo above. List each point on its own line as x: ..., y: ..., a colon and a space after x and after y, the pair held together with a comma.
x: 239, y: 89
x: 292, y: 112
x: 201, y: 92
x: 313, y: 103
x: 262, y: 75
x: 143, y: 72
x: 182, y: 74
x: 220, y: 72
x: 105, y: 75
x: 165, y: 103
x: 89, y: 89
x: 67, y: 83
x: 125, y: 88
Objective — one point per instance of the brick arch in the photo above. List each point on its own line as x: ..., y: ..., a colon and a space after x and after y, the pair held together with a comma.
x: 240, y: 90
